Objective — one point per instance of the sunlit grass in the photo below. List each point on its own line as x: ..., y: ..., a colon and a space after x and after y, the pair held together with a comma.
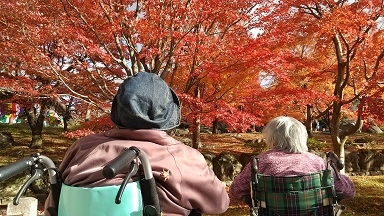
x: 369, y: 200
x: 54, y: 144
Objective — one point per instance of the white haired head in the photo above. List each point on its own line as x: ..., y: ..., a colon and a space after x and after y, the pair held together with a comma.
x: 287, y: 134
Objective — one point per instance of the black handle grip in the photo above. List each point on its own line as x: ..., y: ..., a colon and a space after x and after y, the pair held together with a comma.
x: 150, y: 197
x: 333, y: 157
x: 254, y: 167
x: 120, y: 162
x: 15, y: 168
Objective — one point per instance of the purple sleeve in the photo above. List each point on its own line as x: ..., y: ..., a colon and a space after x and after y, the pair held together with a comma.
x: 345, y: 186
x: 241, y: 185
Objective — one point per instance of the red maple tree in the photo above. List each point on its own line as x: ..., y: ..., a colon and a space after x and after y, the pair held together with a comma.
x: 328, y: 59
x: 79, y: 51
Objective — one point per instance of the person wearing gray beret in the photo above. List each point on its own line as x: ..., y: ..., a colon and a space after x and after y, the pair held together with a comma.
x: 143, y: 109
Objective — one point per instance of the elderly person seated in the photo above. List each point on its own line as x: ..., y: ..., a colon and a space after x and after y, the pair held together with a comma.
x: 288, y: 155
x: 143, y: 109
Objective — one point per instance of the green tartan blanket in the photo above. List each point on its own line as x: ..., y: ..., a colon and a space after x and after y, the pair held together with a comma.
x: 295, y: 195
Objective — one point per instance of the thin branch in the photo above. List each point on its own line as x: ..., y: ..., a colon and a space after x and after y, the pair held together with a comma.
x: 103, y: 44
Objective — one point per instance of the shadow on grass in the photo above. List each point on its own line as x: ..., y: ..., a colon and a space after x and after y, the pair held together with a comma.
x: 364, y: 206
x: 369, y: 199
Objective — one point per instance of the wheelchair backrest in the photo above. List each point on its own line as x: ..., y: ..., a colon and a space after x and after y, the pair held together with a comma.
x: 100, y: 201
x: 312, y: 194
x: 130, y: 198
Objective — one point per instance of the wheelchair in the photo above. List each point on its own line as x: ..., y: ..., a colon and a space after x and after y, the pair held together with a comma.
x: 305, y: 195
x: 130, y: 198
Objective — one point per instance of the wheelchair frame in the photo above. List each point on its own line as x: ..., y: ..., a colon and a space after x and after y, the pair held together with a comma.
x: 39, y: 164
x: 337, y: 209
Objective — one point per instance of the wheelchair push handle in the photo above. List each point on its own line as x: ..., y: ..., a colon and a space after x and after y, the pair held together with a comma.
x: 332, y: 157
x: 119, y: 163
x: 254, y: 165
x: 16, y: 167
x: 32, y: 162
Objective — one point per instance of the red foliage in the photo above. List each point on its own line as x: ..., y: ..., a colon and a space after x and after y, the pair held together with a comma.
x: 373, y: 109
x: 98, y: 125
x: 317, y: 53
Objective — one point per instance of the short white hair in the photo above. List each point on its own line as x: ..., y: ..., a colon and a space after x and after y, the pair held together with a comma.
x: 287, y: 134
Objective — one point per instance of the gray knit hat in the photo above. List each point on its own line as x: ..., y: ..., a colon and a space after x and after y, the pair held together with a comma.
x: 145, y: 101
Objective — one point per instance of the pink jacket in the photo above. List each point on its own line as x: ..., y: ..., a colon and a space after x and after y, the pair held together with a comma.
x: 191, y: 184
x: 279, y: 163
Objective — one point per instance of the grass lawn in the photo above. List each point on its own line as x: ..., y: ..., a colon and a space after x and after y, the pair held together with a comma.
x: 369, y: 198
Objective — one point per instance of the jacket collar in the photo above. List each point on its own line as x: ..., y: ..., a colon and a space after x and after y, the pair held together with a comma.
x: 155, y: 136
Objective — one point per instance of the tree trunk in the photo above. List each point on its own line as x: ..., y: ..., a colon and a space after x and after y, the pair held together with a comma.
x: 196, y: 133
x: 37, y: 138
x: 215, y: 127
x: 308, y: 121
x: 64, y: 109
x: 66, y: 117
x: 35, y: 117
x: 196, y: 124
x: 342, y: 77
x: 65, y: 124
x: 341, y: 81
x: 88, y: 115
x: 337, y: 141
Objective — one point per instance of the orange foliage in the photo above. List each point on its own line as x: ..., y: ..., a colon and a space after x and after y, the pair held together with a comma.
x: 326, y: 53
x: 83, y: 49
x: 323, y: 54
x: 96, y: 125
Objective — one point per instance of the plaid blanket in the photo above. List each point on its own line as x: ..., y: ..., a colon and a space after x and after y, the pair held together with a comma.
x: 296, y: 195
